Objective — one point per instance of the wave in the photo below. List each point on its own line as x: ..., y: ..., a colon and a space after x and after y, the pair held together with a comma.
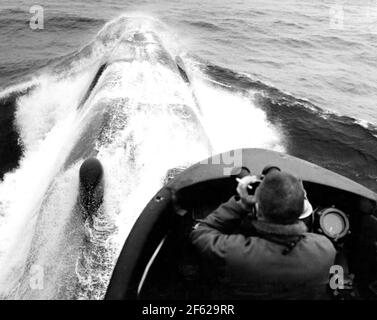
x: 68, y: 22
x: 340, y: 143
x: 14, y: 18
x: 204, y: 25
x: 284, y: 23
x: 337, y: 41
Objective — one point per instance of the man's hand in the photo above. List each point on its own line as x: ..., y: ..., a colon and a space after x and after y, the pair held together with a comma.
x: 247, y: 201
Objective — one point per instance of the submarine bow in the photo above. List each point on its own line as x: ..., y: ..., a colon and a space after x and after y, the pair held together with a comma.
x: 133, y: 100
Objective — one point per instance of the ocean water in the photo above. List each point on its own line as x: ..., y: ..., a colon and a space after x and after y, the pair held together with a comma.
x: 294, y: 76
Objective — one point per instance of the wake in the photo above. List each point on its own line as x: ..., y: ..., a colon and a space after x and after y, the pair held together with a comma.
x: 140, y: 118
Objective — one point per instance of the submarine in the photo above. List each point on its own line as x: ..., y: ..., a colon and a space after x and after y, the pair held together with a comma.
x: 158, y: 261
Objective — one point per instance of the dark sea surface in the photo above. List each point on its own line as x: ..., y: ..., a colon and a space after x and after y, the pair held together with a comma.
x: 306, y: 69
x: 286, y: 49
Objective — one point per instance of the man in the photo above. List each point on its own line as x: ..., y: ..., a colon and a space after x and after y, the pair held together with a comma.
x: 281, y: 261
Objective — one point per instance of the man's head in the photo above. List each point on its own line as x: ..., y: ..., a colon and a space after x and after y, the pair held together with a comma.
x: 280, y: 198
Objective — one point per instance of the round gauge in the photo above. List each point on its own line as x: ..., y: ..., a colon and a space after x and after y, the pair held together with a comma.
x: 334, y: 223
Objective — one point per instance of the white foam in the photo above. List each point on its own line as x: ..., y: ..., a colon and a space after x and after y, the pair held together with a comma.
x: 232, y: 120
x: 21, y: 196
x: 50, y: 102
x: 18, y: 88
x: 48, y: 123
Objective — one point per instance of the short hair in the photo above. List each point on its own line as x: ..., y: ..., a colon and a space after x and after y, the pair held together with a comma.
x: 280, y: 197
x: 270, y: 168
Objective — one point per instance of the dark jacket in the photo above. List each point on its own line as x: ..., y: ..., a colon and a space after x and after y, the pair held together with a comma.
x: 279, y: 262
